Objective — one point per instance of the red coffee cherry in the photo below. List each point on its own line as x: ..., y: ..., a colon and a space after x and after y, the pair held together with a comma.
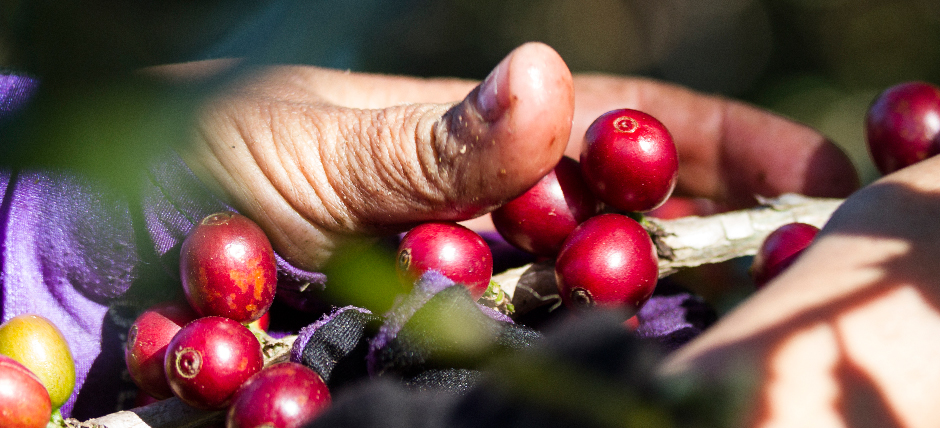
x: 227, y: 267
x: 146, y: 345
x: 902, y: 126
x: 609, y: 260
x: 209, y: 359
x: 780, y: 249
x: 629, y: 160
x: 24, y: 401
x: 449, y: 248
x: 541, y: 219
x: 284, y: 395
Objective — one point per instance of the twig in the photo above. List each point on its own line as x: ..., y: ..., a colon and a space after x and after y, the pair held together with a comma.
x: 695, y: 241
x: 684, y: 243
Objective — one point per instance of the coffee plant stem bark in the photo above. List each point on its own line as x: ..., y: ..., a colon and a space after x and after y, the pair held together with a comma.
x: 693, y: 241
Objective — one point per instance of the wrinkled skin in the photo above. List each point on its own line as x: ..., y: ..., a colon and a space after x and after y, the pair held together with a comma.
x: 320, y: 156
x: 316, y: 156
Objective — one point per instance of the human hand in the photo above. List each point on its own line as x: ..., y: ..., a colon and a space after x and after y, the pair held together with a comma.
x: 844, y: 337
x: 318, y: 156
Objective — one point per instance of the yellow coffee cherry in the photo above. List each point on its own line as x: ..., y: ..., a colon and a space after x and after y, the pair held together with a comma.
x: 36, y: 343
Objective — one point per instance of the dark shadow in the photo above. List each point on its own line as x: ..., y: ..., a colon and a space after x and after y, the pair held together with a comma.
x: 5, y: 206
x: 862, y: 403
x: 104, y: 391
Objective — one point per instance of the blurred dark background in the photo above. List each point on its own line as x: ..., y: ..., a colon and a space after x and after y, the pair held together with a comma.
x: 818, y: 61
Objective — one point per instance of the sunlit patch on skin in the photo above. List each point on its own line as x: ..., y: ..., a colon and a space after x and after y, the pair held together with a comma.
x: 885, y: 339
x: 802, y: 391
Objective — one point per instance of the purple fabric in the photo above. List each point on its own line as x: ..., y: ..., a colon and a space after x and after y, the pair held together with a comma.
x: 674, y: 319
x: 15, y: 90
x: 72, y: 253
x: 662, y: 315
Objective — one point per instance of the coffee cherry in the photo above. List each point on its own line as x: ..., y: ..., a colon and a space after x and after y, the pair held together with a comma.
x: 902, y: 126
x: 209, y: 358
x: 144, y: 399
x: 609, y: 260
x: 227, y: 267
x: 780, y: 249
x: 146, y: 345
x: 40, y: 347
x: 24, y: 401
x: 629, y: 160
x: 262, y: 323
x: 449, y: 248
x: 284, y: 395
x: 541, y: 219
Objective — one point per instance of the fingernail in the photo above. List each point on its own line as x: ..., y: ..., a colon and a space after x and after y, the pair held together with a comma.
x: 493, y: 96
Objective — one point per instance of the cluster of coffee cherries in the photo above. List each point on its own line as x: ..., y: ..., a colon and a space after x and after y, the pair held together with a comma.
x: 579, y: 214
x: 203, y: 350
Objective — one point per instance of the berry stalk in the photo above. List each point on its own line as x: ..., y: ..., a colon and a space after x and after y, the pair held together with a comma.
x: 695, y: 241
x: 691, y: 241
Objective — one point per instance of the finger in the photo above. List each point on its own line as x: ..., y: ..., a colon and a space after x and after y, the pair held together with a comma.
x: 364, y: 90
x: 313, y: 173
x: 729, y: 151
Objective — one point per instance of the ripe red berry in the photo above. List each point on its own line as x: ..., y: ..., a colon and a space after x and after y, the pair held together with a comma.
x: 903, y: 125
x: 227, y: 267
x: 284, y: 395
x: 780, y: 249
x: 146, y: 345
x: 541, y: 219
x: 449, y: 248
x: 609, y: 260
x: 209, y: 359
x: 24, y: 401
x: 629, y: 160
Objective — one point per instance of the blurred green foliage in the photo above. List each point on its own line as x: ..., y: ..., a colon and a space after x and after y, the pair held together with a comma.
x: 363, y: 274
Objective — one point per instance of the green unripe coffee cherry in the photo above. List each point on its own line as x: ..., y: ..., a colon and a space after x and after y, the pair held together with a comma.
x: 36, y: 343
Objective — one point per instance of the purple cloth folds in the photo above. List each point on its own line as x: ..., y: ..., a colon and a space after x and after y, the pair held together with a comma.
x: 674, y: 319
x: 86, y: 259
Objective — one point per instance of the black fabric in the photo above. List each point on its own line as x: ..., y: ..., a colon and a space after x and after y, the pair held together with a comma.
x: 449, y: 380
x: 384, y: 402
x: 337, y: 350
x: 438, y: 348
x: 449, y: 331
x: 588, y: 371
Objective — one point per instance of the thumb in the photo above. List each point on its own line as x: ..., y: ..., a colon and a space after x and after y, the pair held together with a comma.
x: 313, y: 172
